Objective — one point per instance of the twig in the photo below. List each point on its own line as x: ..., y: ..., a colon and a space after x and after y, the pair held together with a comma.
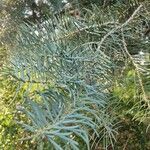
x: 126, y: 143
x: 81, y: 30
x: 29, y: 81
x: 136, y: 69
x: 119, y: 27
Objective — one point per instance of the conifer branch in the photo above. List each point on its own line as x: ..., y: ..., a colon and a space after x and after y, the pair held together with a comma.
x: 119, y: 27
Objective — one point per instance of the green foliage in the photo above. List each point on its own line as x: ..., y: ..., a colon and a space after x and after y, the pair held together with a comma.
x: 74, y: 78
x: 11, y: 99
x: 7, y: 126
x: 78, y: 79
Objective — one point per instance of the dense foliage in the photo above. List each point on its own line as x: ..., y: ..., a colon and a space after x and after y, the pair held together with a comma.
x: 77, y: 75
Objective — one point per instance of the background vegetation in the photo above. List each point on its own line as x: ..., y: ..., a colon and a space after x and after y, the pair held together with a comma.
x: 75, y: 74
